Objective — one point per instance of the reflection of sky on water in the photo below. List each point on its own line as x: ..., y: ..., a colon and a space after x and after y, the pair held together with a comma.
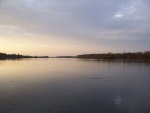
x: 118, y: 100
x: 75, y: 86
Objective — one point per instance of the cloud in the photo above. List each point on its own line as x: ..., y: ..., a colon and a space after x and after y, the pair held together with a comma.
x: 135, y: 10
x: 78, y: 20
x: 118, y: 15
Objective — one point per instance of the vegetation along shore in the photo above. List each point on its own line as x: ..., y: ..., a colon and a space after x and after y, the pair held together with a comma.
x: 124, y: 56
x: 112, y: 56
x: 17, y: 56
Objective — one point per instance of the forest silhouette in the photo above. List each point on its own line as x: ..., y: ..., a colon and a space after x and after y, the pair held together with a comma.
x: 125, y: 56
x: 18, y: 56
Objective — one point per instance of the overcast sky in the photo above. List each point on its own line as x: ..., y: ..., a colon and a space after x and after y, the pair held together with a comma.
x: 71, y: 27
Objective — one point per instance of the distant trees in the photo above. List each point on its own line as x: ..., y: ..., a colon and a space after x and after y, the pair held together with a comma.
x: 3, y: 55
x: 12, y: 56
x: 17, y: 56
x: 125, y: 56
x: 128, y: 56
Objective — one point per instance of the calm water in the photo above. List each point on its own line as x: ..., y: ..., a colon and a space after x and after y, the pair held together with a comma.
x: 74, y: 86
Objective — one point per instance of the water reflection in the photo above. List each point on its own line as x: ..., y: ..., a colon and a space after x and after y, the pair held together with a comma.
x: 74, y: 86
x: 118, y: 100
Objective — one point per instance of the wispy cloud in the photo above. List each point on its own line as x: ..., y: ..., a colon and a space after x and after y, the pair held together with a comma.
x: 118, y: 15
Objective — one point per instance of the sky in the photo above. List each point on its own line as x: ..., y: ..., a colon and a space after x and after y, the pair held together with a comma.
x: 72, y: 27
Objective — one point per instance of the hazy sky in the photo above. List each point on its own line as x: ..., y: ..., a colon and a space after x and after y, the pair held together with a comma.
x: 71, y: 27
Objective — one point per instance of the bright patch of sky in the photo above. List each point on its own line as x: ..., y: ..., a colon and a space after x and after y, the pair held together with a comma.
x: 118, y: 15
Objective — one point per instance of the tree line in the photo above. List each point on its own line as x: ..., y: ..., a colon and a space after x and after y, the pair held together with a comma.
x: 125, y: 55
x: 17, y: 56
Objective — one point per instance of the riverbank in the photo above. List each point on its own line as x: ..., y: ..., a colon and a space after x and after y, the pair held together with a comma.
x: 118, y: 56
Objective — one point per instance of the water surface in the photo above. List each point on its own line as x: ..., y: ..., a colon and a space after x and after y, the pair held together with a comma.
x: 74, y: 86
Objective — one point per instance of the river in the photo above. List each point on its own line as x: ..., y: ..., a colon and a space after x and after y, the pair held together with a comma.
x: 61, y: 85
